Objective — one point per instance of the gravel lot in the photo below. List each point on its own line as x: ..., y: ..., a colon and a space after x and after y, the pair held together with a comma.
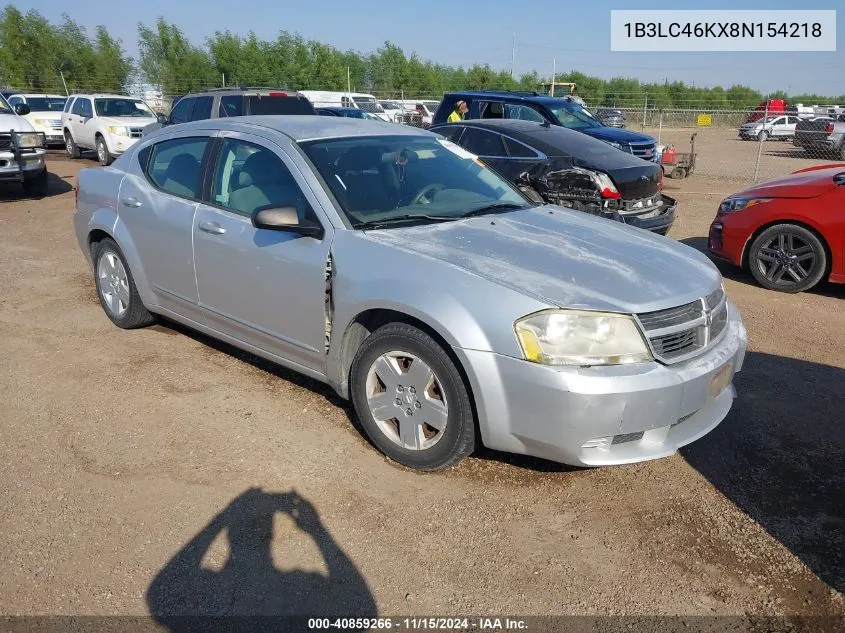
x: 119, y: 449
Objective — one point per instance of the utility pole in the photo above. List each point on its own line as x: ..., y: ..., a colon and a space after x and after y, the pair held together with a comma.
x: 554, y: 72
x: 348, y: 80
x: 513, y: 55
x: 64, y: 83
x: 224, y: 79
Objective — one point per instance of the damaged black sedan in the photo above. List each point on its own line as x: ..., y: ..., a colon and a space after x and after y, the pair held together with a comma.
x: 567, y: 168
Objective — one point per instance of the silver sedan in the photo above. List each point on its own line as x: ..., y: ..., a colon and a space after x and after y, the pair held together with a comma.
x: 394, y: 266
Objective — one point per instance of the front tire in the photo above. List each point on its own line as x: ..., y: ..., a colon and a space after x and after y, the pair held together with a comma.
x: 103, y: 154
x: 411, y: 399
x: 70, y: 146
x: 116, y: 288
x: 787, y: 258
x: 763, y: 135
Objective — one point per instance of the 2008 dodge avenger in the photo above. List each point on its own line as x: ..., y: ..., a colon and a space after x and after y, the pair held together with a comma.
x: 396, y: 267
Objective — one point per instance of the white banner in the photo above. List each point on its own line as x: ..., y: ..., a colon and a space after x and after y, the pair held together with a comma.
x: 723, y: 30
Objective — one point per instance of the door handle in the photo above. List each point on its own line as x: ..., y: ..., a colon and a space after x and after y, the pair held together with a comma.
x: 131, y: 202
x: 211, y: 227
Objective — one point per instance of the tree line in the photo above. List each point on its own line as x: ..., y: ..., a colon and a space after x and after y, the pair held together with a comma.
x: 39, y: 56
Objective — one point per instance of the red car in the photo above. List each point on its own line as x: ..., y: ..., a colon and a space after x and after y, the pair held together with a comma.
x: 789, y: 232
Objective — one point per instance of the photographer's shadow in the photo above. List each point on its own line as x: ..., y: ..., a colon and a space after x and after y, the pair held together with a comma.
x: 185, y: 596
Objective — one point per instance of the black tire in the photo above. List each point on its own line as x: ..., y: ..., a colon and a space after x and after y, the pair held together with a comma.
x: 679, y: 173
x: 775, y: 265
x: 458, y: 437
x: 103, y: 154
x: 70, y: 146
x: 38, y: 186
x: 136, y: 315
x: 762, y: 135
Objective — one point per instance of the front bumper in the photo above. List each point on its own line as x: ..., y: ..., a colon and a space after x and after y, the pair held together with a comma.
x: 601, y: 416
x: 17, y: 165
x: 119, y: 144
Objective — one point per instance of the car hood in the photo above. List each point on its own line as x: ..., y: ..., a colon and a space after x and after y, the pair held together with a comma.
x: 9, y: 122
x: 566, y: 258
x: 810, y: 184
x: 128, y: 121
x: 617, y: 135
x: 51, y: 115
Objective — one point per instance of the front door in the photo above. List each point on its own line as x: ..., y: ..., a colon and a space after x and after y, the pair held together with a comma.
x: 158, y: 201
x: 265, y: 288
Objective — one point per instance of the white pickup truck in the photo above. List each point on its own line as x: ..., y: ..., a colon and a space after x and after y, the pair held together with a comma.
x: 110, y: 124
x: 21, y: 151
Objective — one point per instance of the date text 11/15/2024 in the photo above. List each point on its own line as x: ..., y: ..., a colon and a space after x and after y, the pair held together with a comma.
x: 419, y: 624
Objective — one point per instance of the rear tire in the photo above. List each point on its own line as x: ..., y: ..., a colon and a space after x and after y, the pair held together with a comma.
x: 411, y: 399
x: 116, y: 288
x: 787, y: 258
x: 71, y: 146
x: 103, y: 154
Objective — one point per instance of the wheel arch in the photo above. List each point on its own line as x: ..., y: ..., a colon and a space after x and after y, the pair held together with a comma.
x: 803, y: 224
x: 368, y: 321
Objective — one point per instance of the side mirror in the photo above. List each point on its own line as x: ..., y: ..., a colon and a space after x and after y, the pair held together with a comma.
x: 162, y: 118
x: 284, y: 219
x: 839, y: 179
x: 21, y: 109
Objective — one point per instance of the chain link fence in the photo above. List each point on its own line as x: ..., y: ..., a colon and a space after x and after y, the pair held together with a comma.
x: 744, y: 146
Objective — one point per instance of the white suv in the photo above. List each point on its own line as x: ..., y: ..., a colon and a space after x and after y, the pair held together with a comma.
x: 110, y: 124
x: 45, y: 114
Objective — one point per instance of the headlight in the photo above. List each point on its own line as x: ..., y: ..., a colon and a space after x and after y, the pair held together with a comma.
x: 573, y: 337
x: 118, y: 130
x: 730, y: 205
x: 616, y: 145
x: 29, y: 139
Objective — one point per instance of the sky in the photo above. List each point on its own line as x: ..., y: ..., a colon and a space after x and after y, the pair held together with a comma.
x: 574, y: 33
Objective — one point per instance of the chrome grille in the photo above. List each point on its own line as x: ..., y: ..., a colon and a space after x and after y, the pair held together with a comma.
x: 683, y: 331
x: 135, y: 132
x: 55, y: 124
x: 5, y: 141
x: 627, y: 437
x: 643, y: 150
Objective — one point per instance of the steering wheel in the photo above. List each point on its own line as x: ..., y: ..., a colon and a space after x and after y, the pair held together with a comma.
x: 423, y: 196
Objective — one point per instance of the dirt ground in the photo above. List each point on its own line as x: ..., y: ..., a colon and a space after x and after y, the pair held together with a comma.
x: 133, y: 465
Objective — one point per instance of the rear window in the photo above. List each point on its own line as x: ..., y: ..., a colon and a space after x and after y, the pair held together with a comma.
x: 279, y: 105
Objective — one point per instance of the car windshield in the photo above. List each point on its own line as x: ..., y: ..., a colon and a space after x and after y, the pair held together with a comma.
x: 46, y: 104
x: 122, y: 108
x: 4, y: 107
x: 574, y: 117
x: 393, y: 180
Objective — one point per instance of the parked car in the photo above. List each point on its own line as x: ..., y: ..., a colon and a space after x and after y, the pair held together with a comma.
x: 420, y: 284
x: 779, y: 127
x: 360, y: 100
x: 563, y: 167
x: 45, y: 114
x: 109, y: 124
x: 611, y: 117
x: 22, y: 153
x: 766, y: 108
x: 529, y: 106
x: 393, y: 111
x: 822, y: 135
x: 353, y: 113
x: 229, y: 102
x: 788, y: 232
x: 425, y: 109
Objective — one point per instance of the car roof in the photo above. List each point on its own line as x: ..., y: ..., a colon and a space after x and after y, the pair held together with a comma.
x: 37, y: 95
x: 103, y: 95
x: 302, y: 127
x: 551, y: 139
x: 512, y: 96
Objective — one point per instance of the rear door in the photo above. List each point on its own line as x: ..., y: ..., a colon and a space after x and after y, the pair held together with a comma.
x: 158, y: 201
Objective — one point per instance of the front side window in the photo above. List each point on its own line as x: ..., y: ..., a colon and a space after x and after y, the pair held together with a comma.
x: 518, y: 150
x: 278, y: 104
x: 493, y: 110
x: 523, y: 113
x: 202, y: 109
x: 182, y: 110
x: 82, y: 107
x: 13, y: 101
x: 175, y: 166
x: 69, y: 104
x: 574, y: 117
x: 392, y: 180
x: 249, y: 177
x: 112, y: 107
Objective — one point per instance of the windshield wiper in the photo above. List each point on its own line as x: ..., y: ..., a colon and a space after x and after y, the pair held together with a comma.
x: 410, y: 217
x: 497, y: 207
